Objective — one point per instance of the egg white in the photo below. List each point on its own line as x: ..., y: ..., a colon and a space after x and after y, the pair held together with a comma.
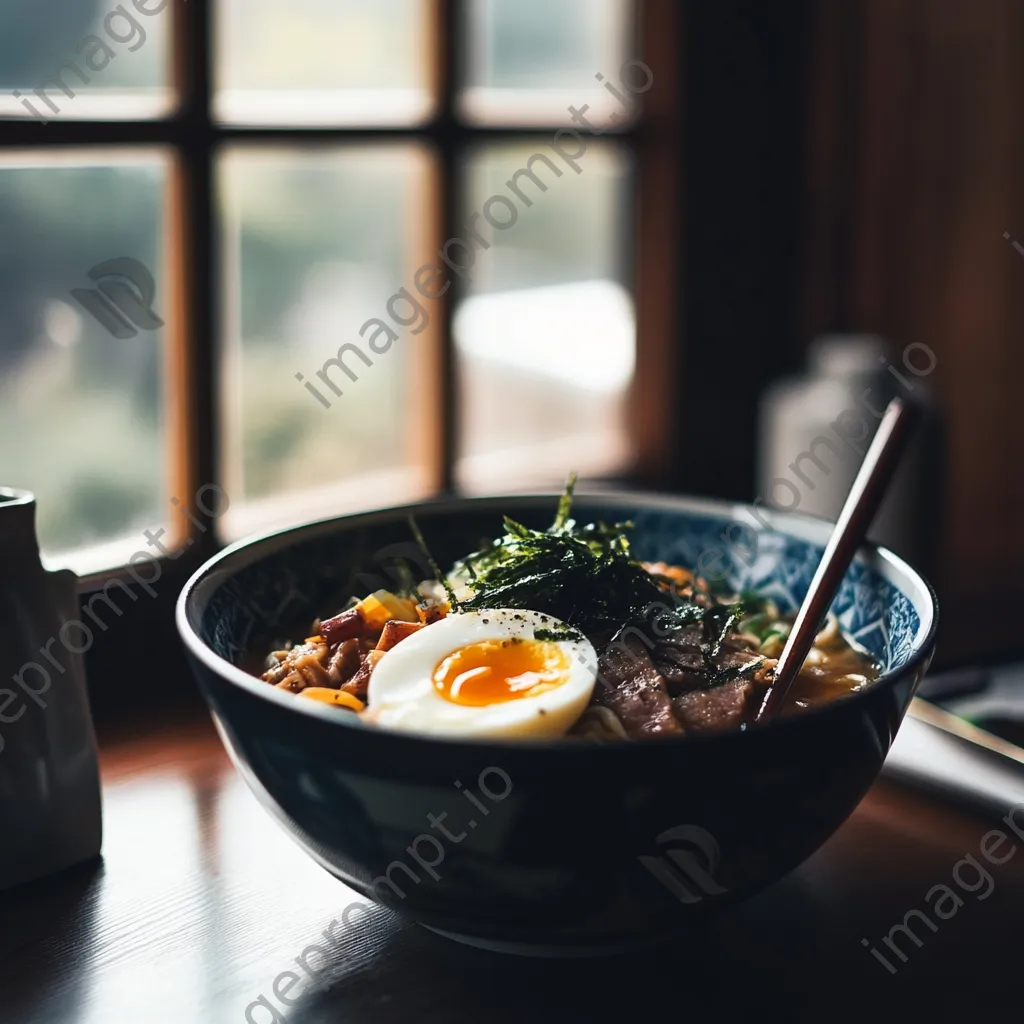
x: 401, y: 693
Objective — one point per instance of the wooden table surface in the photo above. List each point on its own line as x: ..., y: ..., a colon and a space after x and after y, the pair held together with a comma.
x: 201, y: 902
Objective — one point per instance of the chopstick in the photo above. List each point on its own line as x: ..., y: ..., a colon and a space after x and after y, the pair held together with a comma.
x: 862, y: 503
x: 924, y: 711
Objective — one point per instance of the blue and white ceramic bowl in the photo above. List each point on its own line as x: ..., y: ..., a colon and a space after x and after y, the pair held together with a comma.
x: 551, y: 847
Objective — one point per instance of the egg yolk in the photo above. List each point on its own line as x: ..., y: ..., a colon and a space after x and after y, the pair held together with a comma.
x: 496, y: 671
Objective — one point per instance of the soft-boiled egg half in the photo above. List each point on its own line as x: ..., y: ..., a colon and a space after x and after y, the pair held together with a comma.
x: 485, y: 674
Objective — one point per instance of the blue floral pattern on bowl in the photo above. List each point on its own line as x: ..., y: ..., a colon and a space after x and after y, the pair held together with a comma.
x: 870, y: 609
x: 316, y: 570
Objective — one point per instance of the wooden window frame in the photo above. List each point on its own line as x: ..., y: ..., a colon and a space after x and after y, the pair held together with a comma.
x: 193, y: 362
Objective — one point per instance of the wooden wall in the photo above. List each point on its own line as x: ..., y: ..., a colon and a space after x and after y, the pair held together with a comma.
x: 915, y: 171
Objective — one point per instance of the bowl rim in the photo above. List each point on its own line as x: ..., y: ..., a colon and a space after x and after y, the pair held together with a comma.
x: 802, y: 526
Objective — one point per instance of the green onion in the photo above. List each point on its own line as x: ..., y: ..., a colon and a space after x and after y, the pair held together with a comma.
x: 434, y: 567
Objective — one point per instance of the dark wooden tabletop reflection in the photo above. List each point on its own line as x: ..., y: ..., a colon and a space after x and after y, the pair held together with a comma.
x: 201, y: 902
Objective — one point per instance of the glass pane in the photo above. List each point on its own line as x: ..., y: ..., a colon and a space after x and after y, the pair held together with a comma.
x: 83, y: 59
x: 82, y: 415
x: 546, y: 336
x: 318, y: 62
x: 528, y: 61
x: 325, y: 408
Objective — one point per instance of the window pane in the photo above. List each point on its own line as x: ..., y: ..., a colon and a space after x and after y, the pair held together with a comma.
x: 323, y: 62
x: 82, y: 417
x: 546, y: 336
x: 317, y: 244
x: 527, y: 61
x: 83, y: 59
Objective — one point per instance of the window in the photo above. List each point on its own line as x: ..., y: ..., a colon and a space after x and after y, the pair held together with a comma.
x: 545, y: 333
x: 83, y: 419
x: 323, y: 256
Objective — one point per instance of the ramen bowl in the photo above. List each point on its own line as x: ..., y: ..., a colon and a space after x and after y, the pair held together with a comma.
x: 556, y: 846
